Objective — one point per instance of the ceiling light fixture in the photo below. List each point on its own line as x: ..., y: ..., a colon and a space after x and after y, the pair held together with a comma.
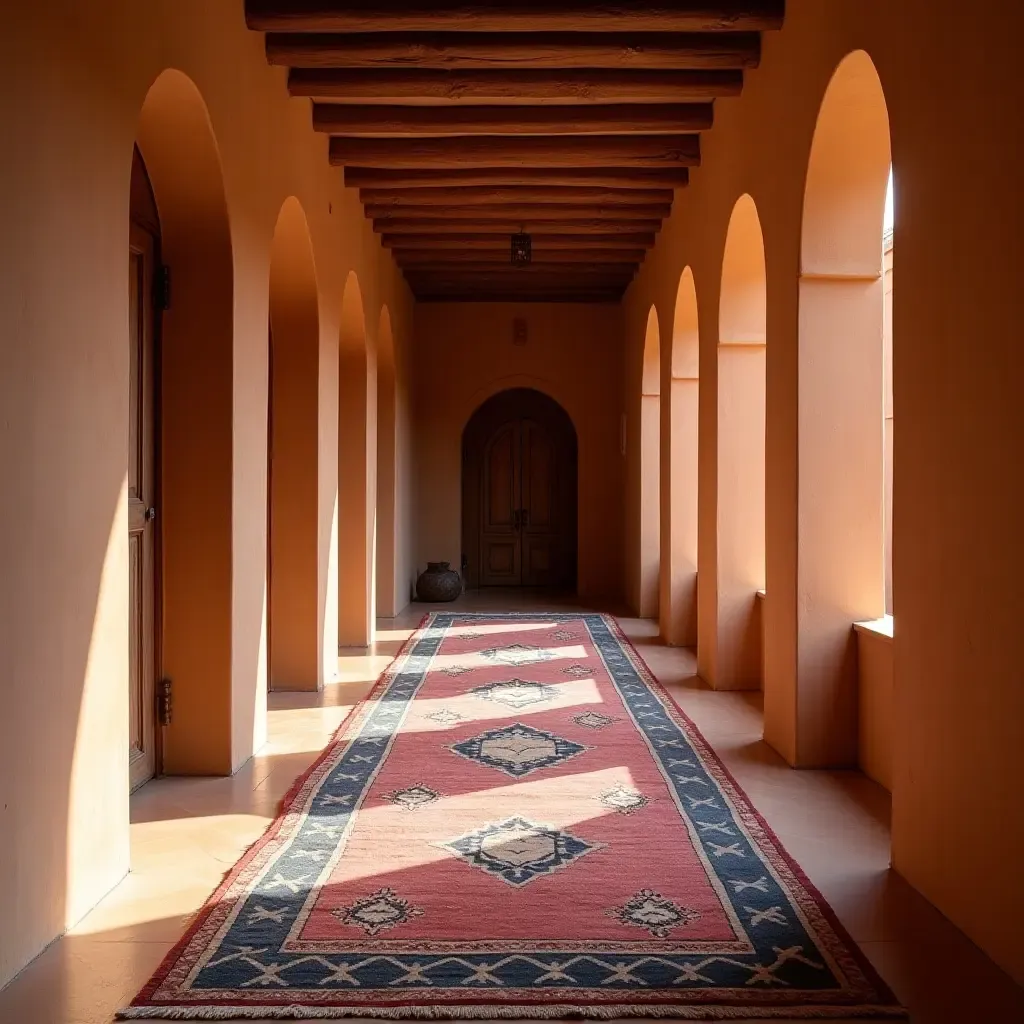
x: 522, y: 249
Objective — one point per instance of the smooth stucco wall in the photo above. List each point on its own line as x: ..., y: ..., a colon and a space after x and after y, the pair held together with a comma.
x: 80, y: 75
x: 958, y: 712
x: 463, y: 355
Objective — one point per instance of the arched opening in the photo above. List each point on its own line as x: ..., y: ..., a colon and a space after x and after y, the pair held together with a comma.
x: 293, y: 631
x: 357, y: 461
x: 519, y: 493
x: 192, y: 390
x: 841, y: 518
x: 388, y: 603
x: 742, y: 325
x: 650, y: 471
x: 679, y: 474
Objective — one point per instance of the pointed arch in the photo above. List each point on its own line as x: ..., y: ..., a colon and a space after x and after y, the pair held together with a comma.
x: 679, y: 473
x: 742, y: 324
x: 840, y: 417
x: 357, y: 461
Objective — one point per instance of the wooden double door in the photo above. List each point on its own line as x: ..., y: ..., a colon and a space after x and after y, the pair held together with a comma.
x: 519, y: 493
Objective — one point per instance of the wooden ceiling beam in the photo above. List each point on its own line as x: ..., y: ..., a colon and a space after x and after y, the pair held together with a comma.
x: 428, y: 198
x: 588, y: 177
x: 556, y: 151
x: 473, y: 16
x: 609, y: 297
x: 509, y: 225
x: 500, y: 257
x: 517, y: 212
x: 506, y: 50
x: 518, y: 87
x: 379, y: 122
x: 471, y: 240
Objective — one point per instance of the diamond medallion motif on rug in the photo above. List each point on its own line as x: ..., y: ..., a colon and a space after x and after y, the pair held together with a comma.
x: 517, y: 850
x: 515, y: 693
x: 518, y: 749
x: 558, y: 843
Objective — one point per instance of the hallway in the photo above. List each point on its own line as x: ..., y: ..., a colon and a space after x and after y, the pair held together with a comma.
x: 186, y: 833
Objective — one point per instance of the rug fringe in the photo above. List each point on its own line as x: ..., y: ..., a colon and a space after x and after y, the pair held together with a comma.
x: 513, y: 1012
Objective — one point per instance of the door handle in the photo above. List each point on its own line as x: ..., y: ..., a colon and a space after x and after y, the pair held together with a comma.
x: 150, y: 514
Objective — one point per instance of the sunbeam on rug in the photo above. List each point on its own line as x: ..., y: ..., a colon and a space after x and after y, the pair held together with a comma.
x: 518, y: 822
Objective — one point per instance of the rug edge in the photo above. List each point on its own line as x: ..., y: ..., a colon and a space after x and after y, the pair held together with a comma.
x: 824, y: 907
x: 563, y: 1011
x: 212, y: 901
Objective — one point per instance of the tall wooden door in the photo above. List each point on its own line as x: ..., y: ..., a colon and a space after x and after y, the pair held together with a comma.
x: 143, y: 255
x: 519, y: 493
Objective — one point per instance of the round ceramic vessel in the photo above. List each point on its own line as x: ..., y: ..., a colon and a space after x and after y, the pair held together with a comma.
x: 438, y: 583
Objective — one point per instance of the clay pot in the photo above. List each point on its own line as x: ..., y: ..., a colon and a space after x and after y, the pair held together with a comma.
x: 438, y: 583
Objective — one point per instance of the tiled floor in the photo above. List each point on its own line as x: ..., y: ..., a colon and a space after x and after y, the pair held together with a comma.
x: 187, y: 832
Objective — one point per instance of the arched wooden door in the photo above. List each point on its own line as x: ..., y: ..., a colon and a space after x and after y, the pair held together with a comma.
x: 519, y: 493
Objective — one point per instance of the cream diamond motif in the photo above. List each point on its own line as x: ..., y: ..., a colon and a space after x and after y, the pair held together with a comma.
x: 413, y: 797
x: 594, y: 720
x: 515, y: 693
x: 517, y: 654
x: 518, y: 749
x: 623, y: 800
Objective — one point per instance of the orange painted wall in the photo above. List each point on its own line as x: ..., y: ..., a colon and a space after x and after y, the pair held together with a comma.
x: 81, y: 74
x: 463, y: 355
x: 958, y: 713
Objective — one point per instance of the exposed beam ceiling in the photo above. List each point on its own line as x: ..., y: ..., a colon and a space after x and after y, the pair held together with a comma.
x: 463, y: 122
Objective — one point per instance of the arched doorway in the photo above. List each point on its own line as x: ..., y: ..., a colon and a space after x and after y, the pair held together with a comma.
x: 649, y: 562
x: 519, y: 483
x: 194, y: 385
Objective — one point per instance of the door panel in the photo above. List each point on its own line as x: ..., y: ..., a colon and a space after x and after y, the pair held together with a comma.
x: 499, y: 541
x: 539, y: 516
x: 519, y: 493
x: 141, y: 496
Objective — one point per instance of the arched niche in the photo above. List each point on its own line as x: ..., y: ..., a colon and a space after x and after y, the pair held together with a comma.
x: 649, y: 497
x: 679, y: 408
x: 357, y: 460
x: 196, y: 422
x: 840, y: 415
x: 293, y: 633
x: 391, y: 597
x: 742, y: 323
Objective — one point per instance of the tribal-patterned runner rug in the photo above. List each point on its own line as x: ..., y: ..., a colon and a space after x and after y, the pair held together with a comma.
x: 518, y: 822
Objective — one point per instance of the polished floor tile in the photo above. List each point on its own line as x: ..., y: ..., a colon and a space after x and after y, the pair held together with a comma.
x: 186, y: 833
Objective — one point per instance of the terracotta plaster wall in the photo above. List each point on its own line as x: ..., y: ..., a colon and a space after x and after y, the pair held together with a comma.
x: 75, y: 83
x: 464, y: 354
x: 958, y: 711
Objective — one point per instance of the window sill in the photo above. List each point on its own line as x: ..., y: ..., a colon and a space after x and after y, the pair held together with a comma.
x: 882, y: 627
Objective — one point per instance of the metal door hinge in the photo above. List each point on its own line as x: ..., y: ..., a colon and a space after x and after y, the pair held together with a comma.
x: 163, y: 702
x: 162, y: 288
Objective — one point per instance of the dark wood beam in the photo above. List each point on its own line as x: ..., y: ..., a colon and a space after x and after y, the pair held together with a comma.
x: 456, y: 16
x: 589, y: 177
x: 552, y: 257
x: 470, y: 240
x: 600, y: 151
x: 511, y: 278
x: 608, y: 297
x: 508, y: 225
x: 428, y: 198
x: 517, y: 87
x: 654, y: 50
x: 517, y: 212
x: 379, y: 122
